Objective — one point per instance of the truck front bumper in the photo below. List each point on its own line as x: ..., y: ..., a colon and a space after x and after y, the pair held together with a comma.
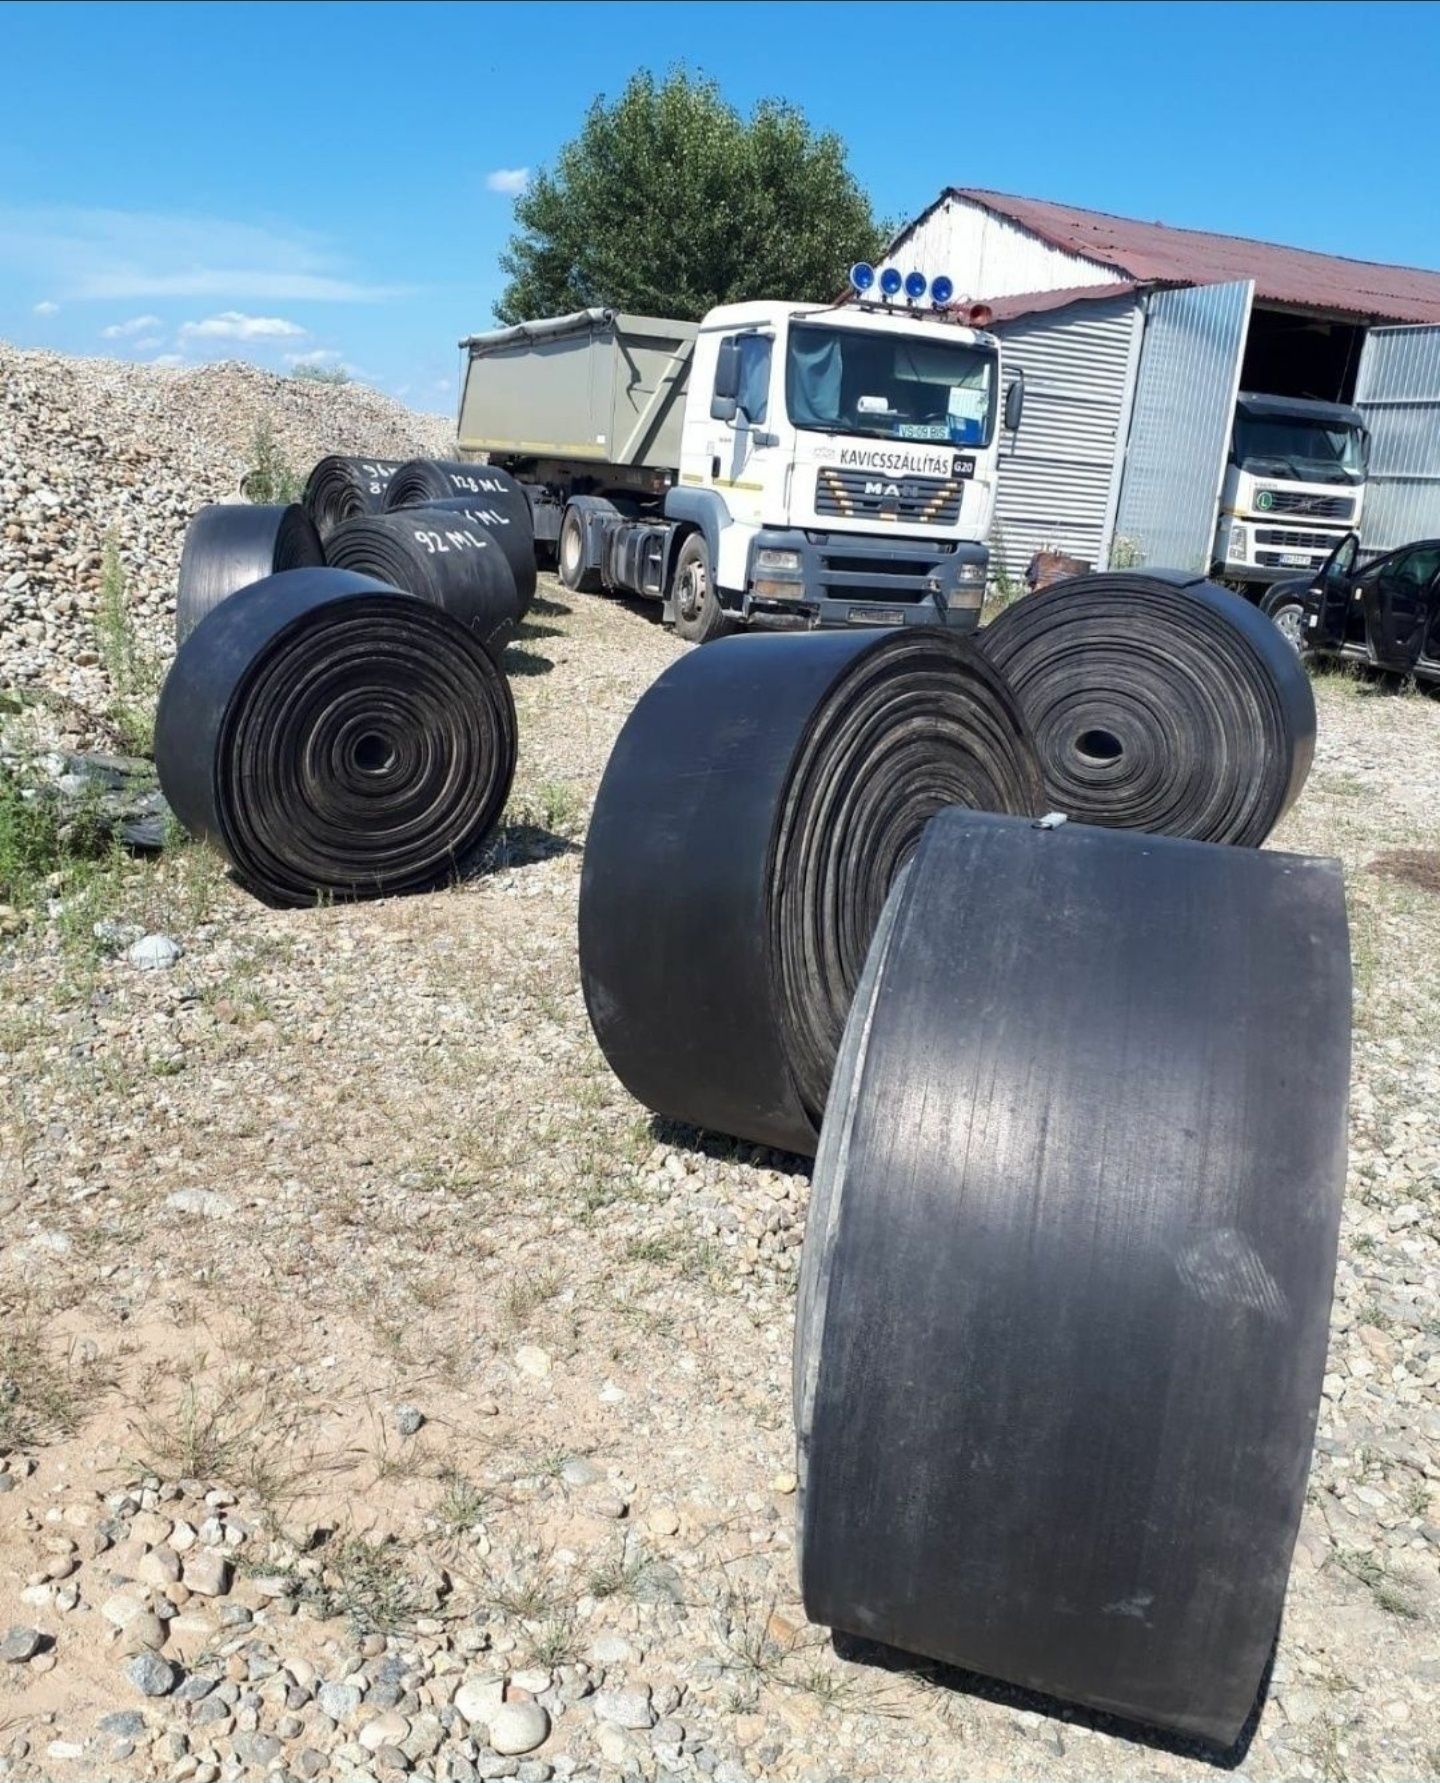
x: 844, y: 579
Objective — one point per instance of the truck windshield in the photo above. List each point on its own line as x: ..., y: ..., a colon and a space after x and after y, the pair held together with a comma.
x: 889, y: 386
x: 1305, y: 450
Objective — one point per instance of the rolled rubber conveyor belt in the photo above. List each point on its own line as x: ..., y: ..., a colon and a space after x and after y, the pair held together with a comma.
x: 340, y: 489
x: 229, y: 545
x: 509, y: 524
x: 1068, y: 1263
x: 444, y: 558
x: 757, y: 805
x: 421, y: 482
x: 1159, y: 702
x: 336, y: 738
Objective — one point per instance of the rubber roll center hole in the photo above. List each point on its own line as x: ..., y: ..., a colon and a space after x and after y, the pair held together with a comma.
x: 1098, y: 747
x: 373, y: 754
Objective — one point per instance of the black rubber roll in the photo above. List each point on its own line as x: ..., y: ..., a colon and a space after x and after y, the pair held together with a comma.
x: 229, y: 545
x: 511, y: 527
x: 340, y: 489
x: 336, y: 738
x: 1160, y: 703
x: 759, y: 802
x: 421, y: 482
x: 444, y: 558
x: 1069, y: 1261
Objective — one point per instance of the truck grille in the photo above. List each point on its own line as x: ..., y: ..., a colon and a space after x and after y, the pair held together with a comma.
x: 864, y: 495
x: 1316, y: 507
x: 1292, y: 539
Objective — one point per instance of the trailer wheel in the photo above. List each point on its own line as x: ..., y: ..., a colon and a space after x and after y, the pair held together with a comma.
x: 570, y: 554
x: 698, y: 613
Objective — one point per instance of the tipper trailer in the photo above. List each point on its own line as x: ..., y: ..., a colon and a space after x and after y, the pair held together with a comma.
x: 783, y: 465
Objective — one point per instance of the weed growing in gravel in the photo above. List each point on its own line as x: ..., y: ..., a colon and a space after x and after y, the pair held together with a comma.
x: 462, y: 1503
x: 271, y: 477
x: 134, y: 674
x: 523, y: 1298
x: 367, y: 1583
x: 1372, y: 1574
x: 619, y: 1575
x: 44, y: 848
x: 40, y: 1397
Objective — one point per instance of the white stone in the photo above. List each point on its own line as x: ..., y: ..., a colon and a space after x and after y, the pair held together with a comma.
x: 478, y: 1698
x: 518, y: 1727
x: 154, y: 953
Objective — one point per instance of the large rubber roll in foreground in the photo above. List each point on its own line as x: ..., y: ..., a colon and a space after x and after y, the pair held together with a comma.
x: 1159, y: 702
x: 336, y: 738
x: 755, y: 810
x: 229, y: 545
x: 340, y: 489
x: 509, y: 524
x: 1069, y: 1260
x: 444, y: 558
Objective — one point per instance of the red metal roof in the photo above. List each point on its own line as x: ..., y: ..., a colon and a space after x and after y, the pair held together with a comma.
x: 1033, y: 303
x: 1157, y: 253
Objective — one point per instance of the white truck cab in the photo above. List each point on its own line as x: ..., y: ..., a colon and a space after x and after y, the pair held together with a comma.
x: 777, y: 464
x: 1294, y: 486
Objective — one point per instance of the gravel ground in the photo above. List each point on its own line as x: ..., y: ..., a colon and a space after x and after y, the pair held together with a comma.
x: 388, y: 1392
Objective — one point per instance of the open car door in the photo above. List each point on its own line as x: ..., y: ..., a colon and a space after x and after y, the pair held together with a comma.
x: 1399, y: 596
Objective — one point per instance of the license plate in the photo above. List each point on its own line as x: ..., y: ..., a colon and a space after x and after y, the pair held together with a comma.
x: 1294, y: 560
x: 964, y: 466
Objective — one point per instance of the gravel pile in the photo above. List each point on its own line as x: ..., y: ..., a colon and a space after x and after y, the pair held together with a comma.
x: 91, y: 448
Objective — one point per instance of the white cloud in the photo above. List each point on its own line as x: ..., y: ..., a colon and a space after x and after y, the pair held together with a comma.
x: 119, y: 331
x: 46, y: 308
x: 148, y: 343
x: 507, y: 179
x: 93, y: 255
x: 170, y: 359
x: 232, y: 325
x: 317, y: 356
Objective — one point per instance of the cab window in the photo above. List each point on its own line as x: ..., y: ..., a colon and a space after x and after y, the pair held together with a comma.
x: 754, y: 392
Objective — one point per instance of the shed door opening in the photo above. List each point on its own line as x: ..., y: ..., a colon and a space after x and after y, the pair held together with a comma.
x: 1287, y: 354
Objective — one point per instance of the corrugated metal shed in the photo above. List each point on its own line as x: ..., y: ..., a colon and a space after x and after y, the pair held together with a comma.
x: 1180, y: 427
x: 1057, y: 476
x: 1103, y: 246
x: 1399, y: 395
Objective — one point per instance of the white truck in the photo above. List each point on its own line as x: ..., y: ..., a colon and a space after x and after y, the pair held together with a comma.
x: 777, y: 464
x: 1294, y: 486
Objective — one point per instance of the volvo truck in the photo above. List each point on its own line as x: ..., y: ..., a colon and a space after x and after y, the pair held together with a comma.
x: 775, y: 465
x: 1294, y: 487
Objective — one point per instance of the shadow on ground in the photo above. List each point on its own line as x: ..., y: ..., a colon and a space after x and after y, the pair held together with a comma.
x: 1058, y: 1713
x: 681, y: 1136
x: 521, y: 845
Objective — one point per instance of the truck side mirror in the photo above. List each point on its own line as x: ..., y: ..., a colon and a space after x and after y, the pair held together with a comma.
x: 1014, y: 402
x: 724, y: 404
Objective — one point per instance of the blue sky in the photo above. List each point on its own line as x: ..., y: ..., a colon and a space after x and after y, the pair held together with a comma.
x: 336, y: 181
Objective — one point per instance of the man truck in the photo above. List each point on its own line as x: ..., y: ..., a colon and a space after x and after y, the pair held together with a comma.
x: 777, y: 464
x: 1294, y: 487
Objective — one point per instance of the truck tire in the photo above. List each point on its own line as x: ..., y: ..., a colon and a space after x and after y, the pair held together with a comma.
x: 570, y: 555
x: 699, y: 617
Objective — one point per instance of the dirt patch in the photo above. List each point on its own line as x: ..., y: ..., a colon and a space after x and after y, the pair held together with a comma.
x: 1411, y: 866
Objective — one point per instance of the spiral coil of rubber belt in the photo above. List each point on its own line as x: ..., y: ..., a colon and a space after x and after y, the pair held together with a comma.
x: 1068, y: 1264
x: 229, y: 545
x: 336, y: 738
x: 509, y: 524
x: 1159, y: 702
x: 758, y: 803
x: 421, y: 482
x: 444, y: 558
x: 341, y: 488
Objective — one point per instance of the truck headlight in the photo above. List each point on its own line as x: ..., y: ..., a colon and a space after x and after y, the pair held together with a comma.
x: 970, y: 575
x: 1238, y: 542
x: 767, y: 558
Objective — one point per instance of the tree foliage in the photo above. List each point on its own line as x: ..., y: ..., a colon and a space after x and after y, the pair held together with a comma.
x: 669, y: 202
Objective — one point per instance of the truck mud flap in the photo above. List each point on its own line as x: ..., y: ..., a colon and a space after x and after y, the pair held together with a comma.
x: 229, y: 545
x: 759, y: 802
x: 446, y: 559
x: 335, y: 738
x: 340, y: 489
x: 1159, y: 702
x: 1069, y: 1260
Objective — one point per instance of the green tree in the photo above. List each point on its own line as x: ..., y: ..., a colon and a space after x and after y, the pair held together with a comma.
x: 669, y: 202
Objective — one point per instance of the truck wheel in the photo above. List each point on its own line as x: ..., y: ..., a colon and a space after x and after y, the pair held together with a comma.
x: 1288, y: 618
x: 698, y: 613
x: 570, y: 553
